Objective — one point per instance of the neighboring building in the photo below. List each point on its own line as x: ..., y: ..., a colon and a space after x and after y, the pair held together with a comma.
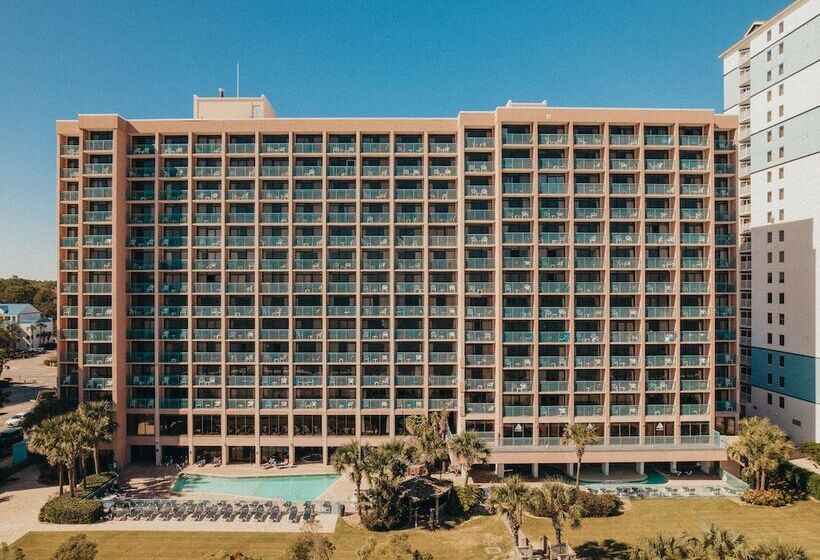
x: 35, y: 330
x: 246, y: 285
x: 772, y: 82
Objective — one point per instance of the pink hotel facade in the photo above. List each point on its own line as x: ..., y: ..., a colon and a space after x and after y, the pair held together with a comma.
x: 245, y: 286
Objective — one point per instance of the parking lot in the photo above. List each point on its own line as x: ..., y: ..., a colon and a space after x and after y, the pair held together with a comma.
x: 28, y: 376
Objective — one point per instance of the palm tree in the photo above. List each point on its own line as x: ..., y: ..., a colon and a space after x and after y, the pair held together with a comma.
x: 558, y: 502
x: 73, y: 443
x: 352, y: 458
x: 44, y: 439
x: 760, y: 447
x: 580, y: 437
x: 659, y: 547
x: 779, y: 551
x: 509, y: 497
x: 468, y: 449
x: 392, y: 458
x: 96, y: 418
x: 430, y: 436
x: 717, y: 544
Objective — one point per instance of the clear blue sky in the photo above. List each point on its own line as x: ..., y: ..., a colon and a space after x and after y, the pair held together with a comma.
x: 146, y: 59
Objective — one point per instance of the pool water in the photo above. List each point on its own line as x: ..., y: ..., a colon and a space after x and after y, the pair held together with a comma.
x: 294, y: 488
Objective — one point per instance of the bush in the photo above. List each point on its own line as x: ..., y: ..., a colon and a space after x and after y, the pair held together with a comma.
x: 94, y: 481
x: 465, y: 498
x: 77, y: 547
x: 812, y: 450
x: 770, y: 498
x: 603, y: 505
x: 383, y: 508
x: 71, y: 510
x: 813, y: 486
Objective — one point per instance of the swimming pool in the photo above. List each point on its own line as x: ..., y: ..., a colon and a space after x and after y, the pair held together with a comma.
x: 293, y: 488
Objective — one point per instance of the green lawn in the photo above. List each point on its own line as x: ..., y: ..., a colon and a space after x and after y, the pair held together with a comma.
x: 468, y: 540
x: 798, y: 523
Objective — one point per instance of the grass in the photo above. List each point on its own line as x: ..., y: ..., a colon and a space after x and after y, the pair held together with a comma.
x: 605, y: 537
x: 467, y: 540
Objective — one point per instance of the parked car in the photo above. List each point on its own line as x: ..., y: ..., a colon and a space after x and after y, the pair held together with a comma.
x: 15, y: 420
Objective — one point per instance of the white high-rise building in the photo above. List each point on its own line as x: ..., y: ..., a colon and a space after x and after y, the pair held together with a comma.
x: 772, y: 82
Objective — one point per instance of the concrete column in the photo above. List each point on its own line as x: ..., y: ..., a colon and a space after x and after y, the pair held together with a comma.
x: 292, y: 453
x: 640, y: 466
x: 673, y: 466
x: 499, y: 470
x: 707, y: 466
x: 324, y: 455
x: 571, y: 469
x: 535, y: 470
x: 605, y: 469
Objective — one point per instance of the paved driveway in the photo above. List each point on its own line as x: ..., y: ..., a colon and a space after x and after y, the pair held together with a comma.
x: 29, y: 376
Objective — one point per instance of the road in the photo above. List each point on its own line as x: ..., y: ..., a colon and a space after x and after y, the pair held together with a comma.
x: 28, y: 376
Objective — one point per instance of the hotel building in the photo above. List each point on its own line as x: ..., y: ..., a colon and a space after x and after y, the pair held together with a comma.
x: 245, y: 286
x: 772, y: 84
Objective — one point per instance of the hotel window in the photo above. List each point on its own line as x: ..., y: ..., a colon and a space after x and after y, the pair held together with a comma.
x: 769, y: 357
x: 780, y: 194
x: 782, y: 298
x: 782, y: 151
x: 781, y: 256
x: 769, y: 257
x: 780, y: 130
x: 782, y: 277
x: 780, y: 48
x: 780, y: 69
x: 768, y: 116
x: 782, y: 361
x: 782, y: 340
x: 769, y: 136
x: 769, y: 35
x: 768, y: 338
x: 782, y: 319
x: 768, y: 398
x: 768, y: 75
x: 769, y: 378
x: 768, y: 237
x: 781, y: 173
x: 769, y: 158
x: 780, y: 89
x: 781, y: 215
x: 769, y: 280
x: 769, y: 297
x: 780, y: 111
x: 769, y: 318
x: 780, y: 27
x: 768, y: 176
x: 782, y: 402
x: 768, y: 55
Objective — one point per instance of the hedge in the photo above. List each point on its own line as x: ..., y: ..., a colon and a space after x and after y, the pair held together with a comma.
x: 94, y: 481
x: 599, y: 505
x: 771, y: 497
x: 813, y: 486
x: 71, y: 510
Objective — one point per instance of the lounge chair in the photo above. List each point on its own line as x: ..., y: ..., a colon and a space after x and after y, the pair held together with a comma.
x: 244, y: 511
x: 275, y: 514
x: 269, y: 464
x: 308, y: 512
x: 284, y: 465
x: 293, y: 515
x: 260, y: 513
x: 217, y: 462
x: 327, y: 507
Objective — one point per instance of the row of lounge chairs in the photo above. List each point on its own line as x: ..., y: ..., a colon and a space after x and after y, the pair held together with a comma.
x: 640, y: 492
x: 167, y: 510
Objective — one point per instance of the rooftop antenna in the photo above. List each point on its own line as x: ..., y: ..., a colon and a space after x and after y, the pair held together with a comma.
x: 237, y: 79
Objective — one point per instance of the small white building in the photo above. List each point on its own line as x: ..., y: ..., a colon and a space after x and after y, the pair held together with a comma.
x: 35, y: 330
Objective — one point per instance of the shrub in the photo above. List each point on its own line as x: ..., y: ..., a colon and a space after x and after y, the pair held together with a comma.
x: 771, y: 497
x: 11, y: 552
x: 603, y: 505
x: 812, y: 450
x: 383, y: 508
x: 814, y: 486
x: 465, y: 498
x: 77, y: 547
x: 71, y: 510
x: 94, y: 481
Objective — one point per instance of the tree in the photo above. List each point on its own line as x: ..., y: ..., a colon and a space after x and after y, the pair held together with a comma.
x: 559, y: 503
x: 44, y: 439
x: 580, y: 437
x: 383, y: 508
x: 468, y: 449
x: 717, y: 544
x: 388, y: 462
x: 351, y: 458
x: 760, y: 447
x: 97, y: 420
x: 429, y: 436
x: 47, y: 408
x: 394, y: 548
x: 778, y: 551
x: 77, y: 547
x: 509, y: 497
x: 659, y: 547
x: 11, y: 552
x: 309, y: 546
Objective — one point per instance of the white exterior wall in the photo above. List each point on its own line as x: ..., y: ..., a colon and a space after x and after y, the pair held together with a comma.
x: 806, y: 413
